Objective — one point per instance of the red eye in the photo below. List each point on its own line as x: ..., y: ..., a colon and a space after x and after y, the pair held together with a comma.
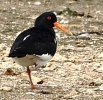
x: 49, y: 17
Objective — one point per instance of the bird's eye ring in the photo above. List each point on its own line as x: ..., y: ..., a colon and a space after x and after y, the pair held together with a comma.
x: 49, y: 17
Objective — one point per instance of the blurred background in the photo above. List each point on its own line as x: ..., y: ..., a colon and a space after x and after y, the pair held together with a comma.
x: 76, y: 71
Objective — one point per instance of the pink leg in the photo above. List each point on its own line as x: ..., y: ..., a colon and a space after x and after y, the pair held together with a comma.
x: 29, y: 74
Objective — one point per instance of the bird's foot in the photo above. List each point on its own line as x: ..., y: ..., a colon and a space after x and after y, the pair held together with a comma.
x: 34, y: 87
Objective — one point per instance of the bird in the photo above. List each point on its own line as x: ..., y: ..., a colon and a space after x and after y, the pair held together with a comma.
x: 37, y: 45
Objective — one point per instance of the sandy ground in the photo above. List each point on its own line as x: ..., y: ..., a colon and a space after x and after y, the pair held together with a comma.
x: 75, y: 72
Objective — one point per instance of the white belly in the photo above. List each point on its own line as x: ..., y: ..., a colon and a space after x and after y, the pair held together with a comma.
x: 29, y: 60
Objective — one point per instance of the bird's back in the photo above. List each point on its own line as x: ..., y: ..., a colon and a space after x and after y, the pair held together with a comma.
x: 34, y: 41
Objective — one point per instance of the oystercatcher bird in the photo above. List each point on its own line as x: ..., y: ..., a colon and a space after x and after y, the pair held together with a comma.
x: 37, y: 45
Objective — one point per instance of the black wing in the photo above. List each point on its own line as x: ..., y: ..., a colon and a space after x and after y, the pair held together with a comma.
x: 33, y: 41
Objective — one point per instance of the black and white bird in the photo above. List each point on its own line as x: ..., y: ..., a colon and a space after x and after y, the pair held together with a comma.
x: 37, y: 45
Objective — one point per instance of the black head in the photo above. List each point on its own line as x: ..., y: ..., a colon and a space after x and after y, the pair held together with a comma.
x: 46, y: 19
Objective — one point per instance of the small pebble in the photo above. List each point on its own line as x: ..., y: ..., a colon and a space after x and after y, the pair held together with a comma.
x: 37, y: 3
x: 90, y: 91
x: 6, y: 88
x: 101, y: 87
x: 31, y: 93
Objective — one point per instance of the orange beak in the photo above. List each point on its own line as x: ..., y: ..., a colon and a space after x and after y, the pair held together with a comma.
x: 56, y: 24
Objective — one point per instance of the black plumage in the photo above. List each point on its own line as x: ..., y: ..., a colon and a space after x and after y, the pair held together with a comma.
x: 38, y: 42
x: 41, y: 39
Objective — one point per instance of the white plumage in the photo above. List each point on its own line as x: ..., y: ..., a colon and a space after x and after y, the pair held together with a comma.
x: 26, y: 37
x: 28, y: 60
